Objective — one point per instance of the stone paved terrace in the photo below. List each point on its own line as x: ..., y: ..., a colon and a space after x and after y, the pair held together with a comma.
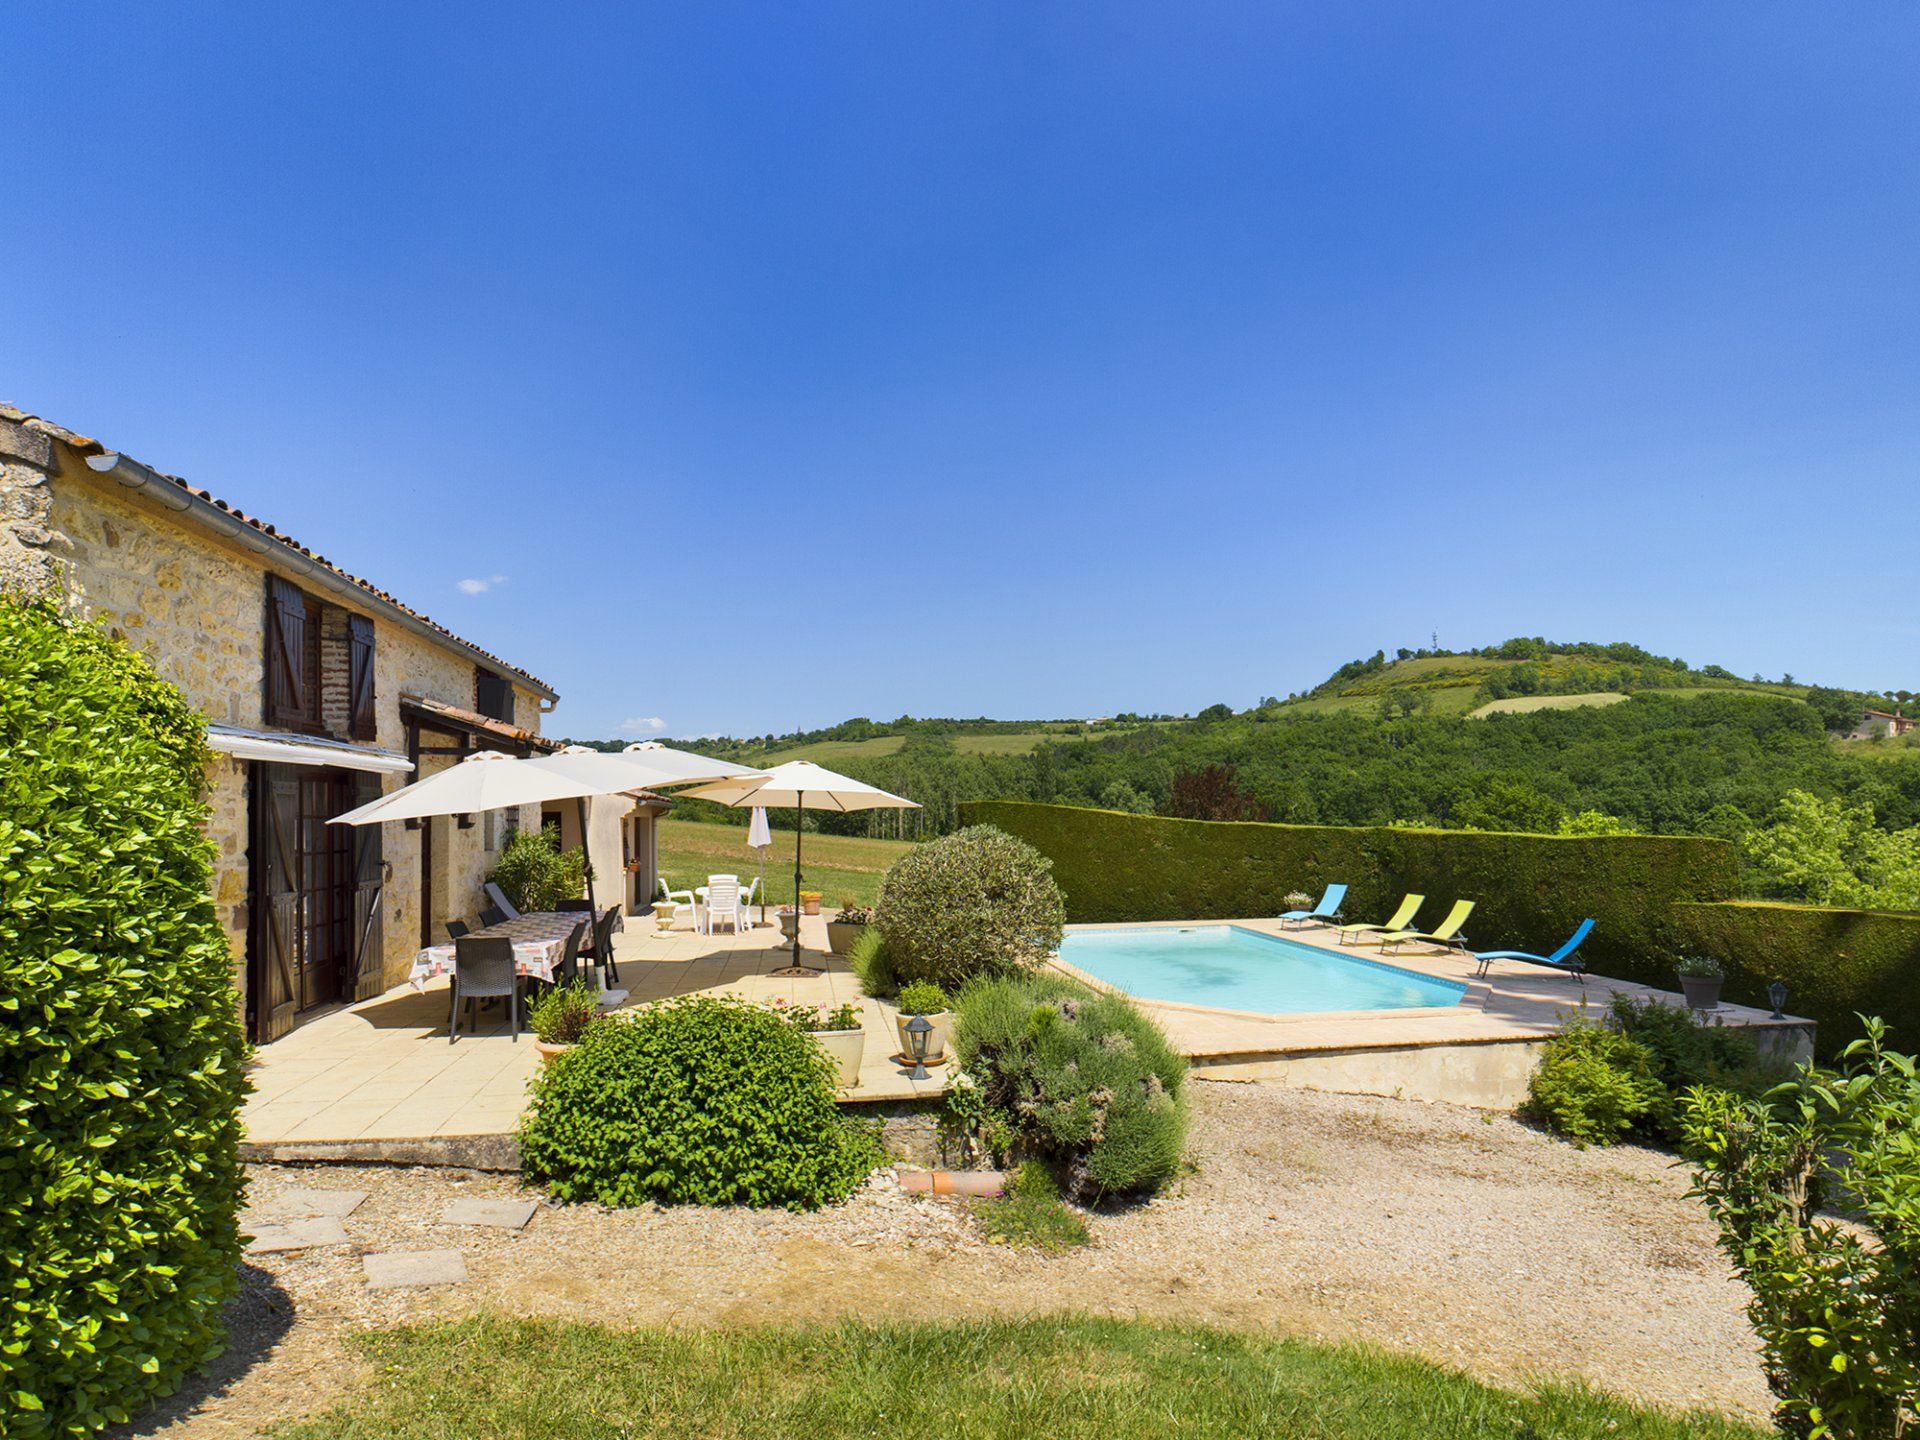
x: 382, y: 1070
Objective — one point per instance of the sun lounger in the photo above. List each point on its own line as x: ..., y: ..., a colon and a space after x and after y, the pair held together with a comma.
x: 1444, y: 936
x: 1566, y: 958
x: 1399, y: 920
x: 1327, y: 912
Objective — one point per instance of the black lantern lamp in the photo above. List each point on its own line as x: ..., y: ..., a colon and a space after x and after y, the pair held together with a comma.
x: 1777, y: 993
x: 918, y: 1029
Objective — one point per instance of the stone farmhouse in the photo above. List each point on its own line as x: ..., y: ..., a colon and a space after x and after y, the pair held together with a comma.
x: 320, y: 690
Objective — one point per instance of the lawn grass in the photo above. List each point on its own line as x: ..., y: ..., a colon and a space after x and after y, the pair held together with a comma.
x: 491, y: 1377
x: 835, y: 865
x: 1522, y: 704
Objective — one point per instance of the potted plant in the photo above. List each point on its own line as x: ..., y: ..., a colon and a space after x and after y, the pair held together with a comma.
x: 924, y: 998
x: 1297, y: 899
x: 838, y: 1031
x: 561, y: 1016
x: 845, y: 927
x: 1701, y: 977
x: 789, y: 922
x: 810, y: 901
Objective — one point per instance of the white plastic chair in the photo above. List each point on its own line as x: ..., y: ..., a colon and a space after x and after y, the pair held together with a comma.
x: 723, y: 902
x: 682, y: 900
x: 748, y: 899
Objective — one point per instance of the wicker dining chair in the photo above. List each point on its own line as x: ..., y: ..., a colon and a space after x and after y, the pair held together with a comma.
x: 483, y: 969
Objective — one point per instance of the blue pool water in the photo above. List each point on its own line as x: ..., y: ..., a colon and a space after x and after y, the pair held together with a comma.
x: 1237, y: 969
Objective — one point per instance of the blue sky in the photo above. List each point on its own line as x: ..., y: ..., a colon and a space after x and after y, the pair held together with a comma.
x: 765, y: 365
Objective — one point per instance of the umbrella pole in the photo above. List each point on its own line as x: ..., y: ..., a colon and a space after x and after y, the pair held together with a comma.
x: 799, y: 828
x: 593, y: 909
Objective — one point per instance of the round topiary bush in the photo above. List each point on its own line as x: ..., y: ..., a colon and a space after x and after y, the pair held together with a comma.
x: 706, y: 1100
x: 976, y: 902
x: 120, y: 1043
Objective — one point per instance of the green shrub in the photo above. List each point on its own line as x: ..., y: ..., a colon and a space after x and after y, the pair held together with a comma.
x: 922, y: 997
x: 867, y: 958
x: 535, y: 873
x: 976, y: 902
x: 1836, y: 1306
x: 1531, y: 890
x: 562, y: 1014
x: 1085, y: 1080
x: 1593, y: 1085
x: 706, y: 1100
x: 1838, y: 964
x: 1686, y: 1053
x: 1030, y: 1215
x: 120, y: 1047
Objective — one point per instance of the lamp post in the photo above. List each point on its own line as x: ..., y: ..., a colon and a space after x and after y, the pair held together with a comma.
x: 918, y: 1029
x: 1777, y: 993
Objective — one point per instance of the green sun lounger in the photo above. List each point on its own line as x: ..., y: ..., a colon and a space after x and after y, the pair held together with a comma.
x: 1444, y: 936
x: 1401, y: 918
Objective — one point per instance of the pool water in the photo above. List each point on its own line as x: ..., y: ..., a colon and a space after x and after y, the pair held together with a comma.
x: 1238, y: 969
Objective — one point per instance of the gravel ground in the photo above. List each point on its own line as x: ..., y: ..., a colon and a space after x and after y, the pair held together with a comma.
x: 1470, y: 1239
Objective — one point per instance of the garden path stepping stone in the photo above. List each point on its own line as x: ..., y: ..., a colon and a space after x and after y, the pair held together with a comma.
x: 501, y: 1214
x: 318, y: 1202
x: 398, y: 1269
x: 308, y: 1234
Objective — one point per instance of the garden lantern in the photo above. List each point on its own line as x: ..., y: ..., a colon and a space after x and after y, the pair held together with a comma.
x: 1777, y: 993
x: 918, y: 1030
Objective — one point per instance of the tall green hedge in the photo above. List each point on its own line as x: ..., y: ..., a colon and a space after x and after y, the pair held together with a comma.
x: 1838, y: 964
x: 120, y: 1043
x: 1529, y: 890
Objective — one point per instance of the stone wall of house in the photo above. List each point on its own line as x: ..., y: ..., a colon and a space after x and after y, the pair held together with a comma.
x: 195, y: 604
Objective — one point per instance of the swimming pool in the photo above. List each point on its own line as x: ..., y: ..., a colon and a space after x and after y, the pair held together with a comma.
x: 1232, y: 968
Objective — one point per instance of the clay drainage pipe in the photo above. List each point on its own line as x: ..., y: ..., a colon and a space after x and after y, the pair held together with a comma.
x: 953, y: 1182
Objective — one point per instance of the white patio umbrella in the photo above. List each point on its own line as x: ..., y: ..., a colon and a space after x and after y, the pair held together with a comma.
x: 485, y: 780
x: 760, y: 838
x: 801, y: 785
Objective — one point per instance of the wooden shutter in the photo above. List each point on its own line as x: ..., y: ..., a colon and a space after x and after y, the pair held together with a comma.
x: 493, y: 695
x: 289, y: 700
x: 366, y: 966
x: 362, y: 723
x: 277, y: 928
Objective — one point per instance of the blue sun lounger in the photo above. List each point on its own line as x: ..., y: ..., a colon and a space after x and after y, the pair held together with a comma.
x: 1326, y: 912
x: 1566, y: 958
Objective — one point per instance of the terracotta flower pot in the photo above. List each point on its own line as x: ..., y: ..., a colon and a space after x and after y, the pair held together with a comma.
x: 547, y: 1050
x: 810, y: 904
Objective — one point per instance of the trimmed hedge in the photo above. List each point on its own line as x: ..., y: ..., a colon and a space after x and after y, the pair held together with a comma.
x: 1838, y: 964
x: 120, y: 1043
x: 1529, y: 890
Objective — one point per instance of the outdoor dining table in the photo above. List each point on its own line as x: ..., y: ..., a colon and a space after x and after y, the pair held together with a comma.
x: 539, y: 940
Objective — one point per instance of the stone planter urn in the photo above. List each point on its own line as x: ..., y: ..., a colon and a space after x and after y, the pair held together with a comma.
x: 841, y: 935
x: 1702, y: 991
x: 845, y: 1048
x: 663, y: 911
x: 789, y: 924
x: 942, y: 1022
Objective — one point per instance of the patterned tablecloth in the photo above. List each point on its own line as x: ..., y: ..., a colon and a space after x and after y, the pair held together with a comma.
x: 539, y: 940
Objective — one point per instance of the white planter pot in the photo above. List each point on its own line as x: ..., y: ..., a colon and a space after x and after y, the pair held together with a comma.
x: 942, y: 1022
x: 845, y: 1048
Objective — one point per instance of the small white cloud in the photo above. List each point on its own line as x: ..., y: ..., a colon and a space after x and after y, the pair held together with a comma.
x: 476, y: 585
x: 640, y: 725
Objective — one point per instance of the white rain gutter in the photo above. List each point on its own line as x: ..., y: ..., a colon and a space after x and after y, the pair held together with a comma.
x: 137, y: 477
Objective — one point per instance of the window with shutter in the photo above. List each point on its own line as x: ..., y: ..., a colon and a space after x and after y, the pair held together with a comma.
x: 493, y: 695
x: 292, y: 688
x: 362, y: 722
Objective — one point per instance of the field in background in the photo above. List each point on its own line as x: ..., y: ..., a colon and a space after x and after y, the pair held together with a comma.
x: 835, y: 865
x: 1521, y: 704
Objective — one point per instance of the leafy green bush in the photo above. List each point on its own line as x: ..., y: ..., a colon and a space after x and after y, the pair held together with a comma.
x: 1593, y: 1085
x: 922, y: 997
x: 1686, y: 1053
x: 120, y: 1047
x: 706, y: 1100
x: 1030, y: 1215
x: 1531, y: 889
x: 561, y: 1016
x: 1837, y: 1310
x: 976, y: 902
x: 1079, y: 1078
x: 536, y: 873
x: 867, y: 958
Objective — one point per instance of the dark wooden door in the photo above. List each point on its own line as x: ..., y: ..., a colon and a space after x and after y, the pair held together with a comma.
x: 308, y: 895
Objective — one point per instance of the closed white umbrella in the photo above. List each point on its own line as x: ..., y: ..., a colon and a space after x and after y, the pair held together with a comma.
x: 801, y: 785
x: 760, y: 838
